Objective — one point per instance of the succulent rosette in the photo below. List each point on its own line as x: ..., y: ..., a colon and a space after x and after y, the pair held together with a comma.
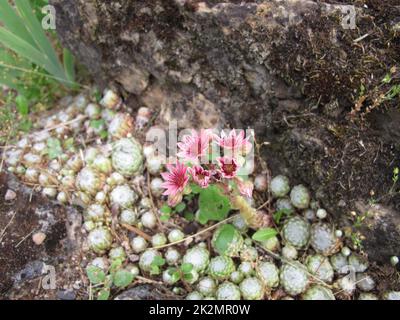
x: 127, y: 157
x: 89, y: 181
x: 121, y: 125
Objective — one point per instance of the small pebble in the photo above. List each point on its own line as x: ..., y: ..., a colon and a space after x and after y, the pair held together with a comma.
x: 261, y: 183
x: 321, y: 214
x: 394, y: 261
x: 339, y: 233
x: 346, y: 251
x: 10, y: 195
x: 66, y: 295
x: 38, y: 238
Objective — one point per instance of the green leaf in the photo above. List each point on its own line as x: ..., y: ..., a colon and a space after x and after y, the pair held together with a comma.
x: 280, y: 213
x: 195, y: 188
x: 29, y: 52
x: 176, y: 276
x: 39, y: 36
x: 103, y: 134
x: 54, y: 148
x: 180, y: 207
x: 25, y: 125
x: 213, y: 205
x: 10, y: 72
x: 393, y: 92
x: 387, y: 78
x: 69, y: 143
x: 188, y: 276
x: 156, y: 264
x: 224, y: 238
x: 69, y: 65
x: 165, y: 209
x: 123, y: 278
x: 158, y: 261
x: 264, y: 234
x: 22, y: 105
x: 187, y: 267
x: 14, y: 23
x: 103, y: 294
x: 97, y: 124
x: 189, y: 216
x: 95, y: 274
x: 165, y: 217
x: 115, y: 265
x: 174, y: 273
x: 155, y: 270
x: 97, y: 95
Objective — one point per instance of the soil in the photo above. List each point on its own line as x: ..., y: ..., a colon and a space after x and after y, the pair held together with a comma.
x: 21, y: 260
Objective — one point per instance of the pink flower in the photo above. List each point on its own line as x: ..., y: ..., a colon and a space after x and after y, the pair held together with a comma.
x: 234, y: 142
x: 175, y: 180
x: 228, y: 167
x: 194, y: 146
x: 245, y: 187
x: 200, y: 176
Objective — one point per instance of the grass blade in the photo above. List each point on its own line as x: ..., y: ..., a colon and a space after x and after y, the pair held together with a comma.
x: 14, y: 23
x: 7, y: 59
x: 69, y: 65
x: 29, y: 52
x: 38, y: 34
x: 8, y: 81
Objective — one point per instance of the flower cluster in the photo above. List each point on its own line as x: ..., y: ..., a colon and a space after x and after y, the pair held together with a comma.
x: 201, y: 162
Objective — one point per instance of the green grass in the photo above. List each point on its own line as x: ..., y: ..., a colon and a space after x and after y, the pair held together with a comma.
x: 33, y: 67
x: 22, y: 34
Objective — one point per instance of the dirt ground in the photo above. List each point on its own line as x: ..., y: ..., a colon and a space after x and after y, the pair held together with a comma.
x: 23, y: 263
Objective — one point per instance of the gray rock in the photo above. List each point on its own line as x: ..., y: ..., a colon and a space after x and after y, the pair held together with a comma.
x: 32, y: 270
x: 10, y: 195
x: 144, y: 292
x: 66, y: 295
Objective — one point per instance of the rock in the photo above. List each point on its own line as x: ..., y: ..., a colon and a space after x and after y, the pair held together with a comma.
x: 381, y: 231
x: 38, y: 238
x: 144, y: 292
x: 246, y: 64
x: 66, y: 295
x: 31, y: 270
x: 10, y: 195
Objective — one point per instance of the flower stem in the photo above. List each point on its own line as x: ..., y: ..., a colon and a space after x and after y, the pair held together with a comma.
x: 249, y: 214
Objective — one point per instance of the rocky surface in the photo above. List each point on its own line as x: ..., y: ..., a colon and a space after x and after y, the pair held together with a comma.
x: 116, y: 231
x: 246, y: 64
